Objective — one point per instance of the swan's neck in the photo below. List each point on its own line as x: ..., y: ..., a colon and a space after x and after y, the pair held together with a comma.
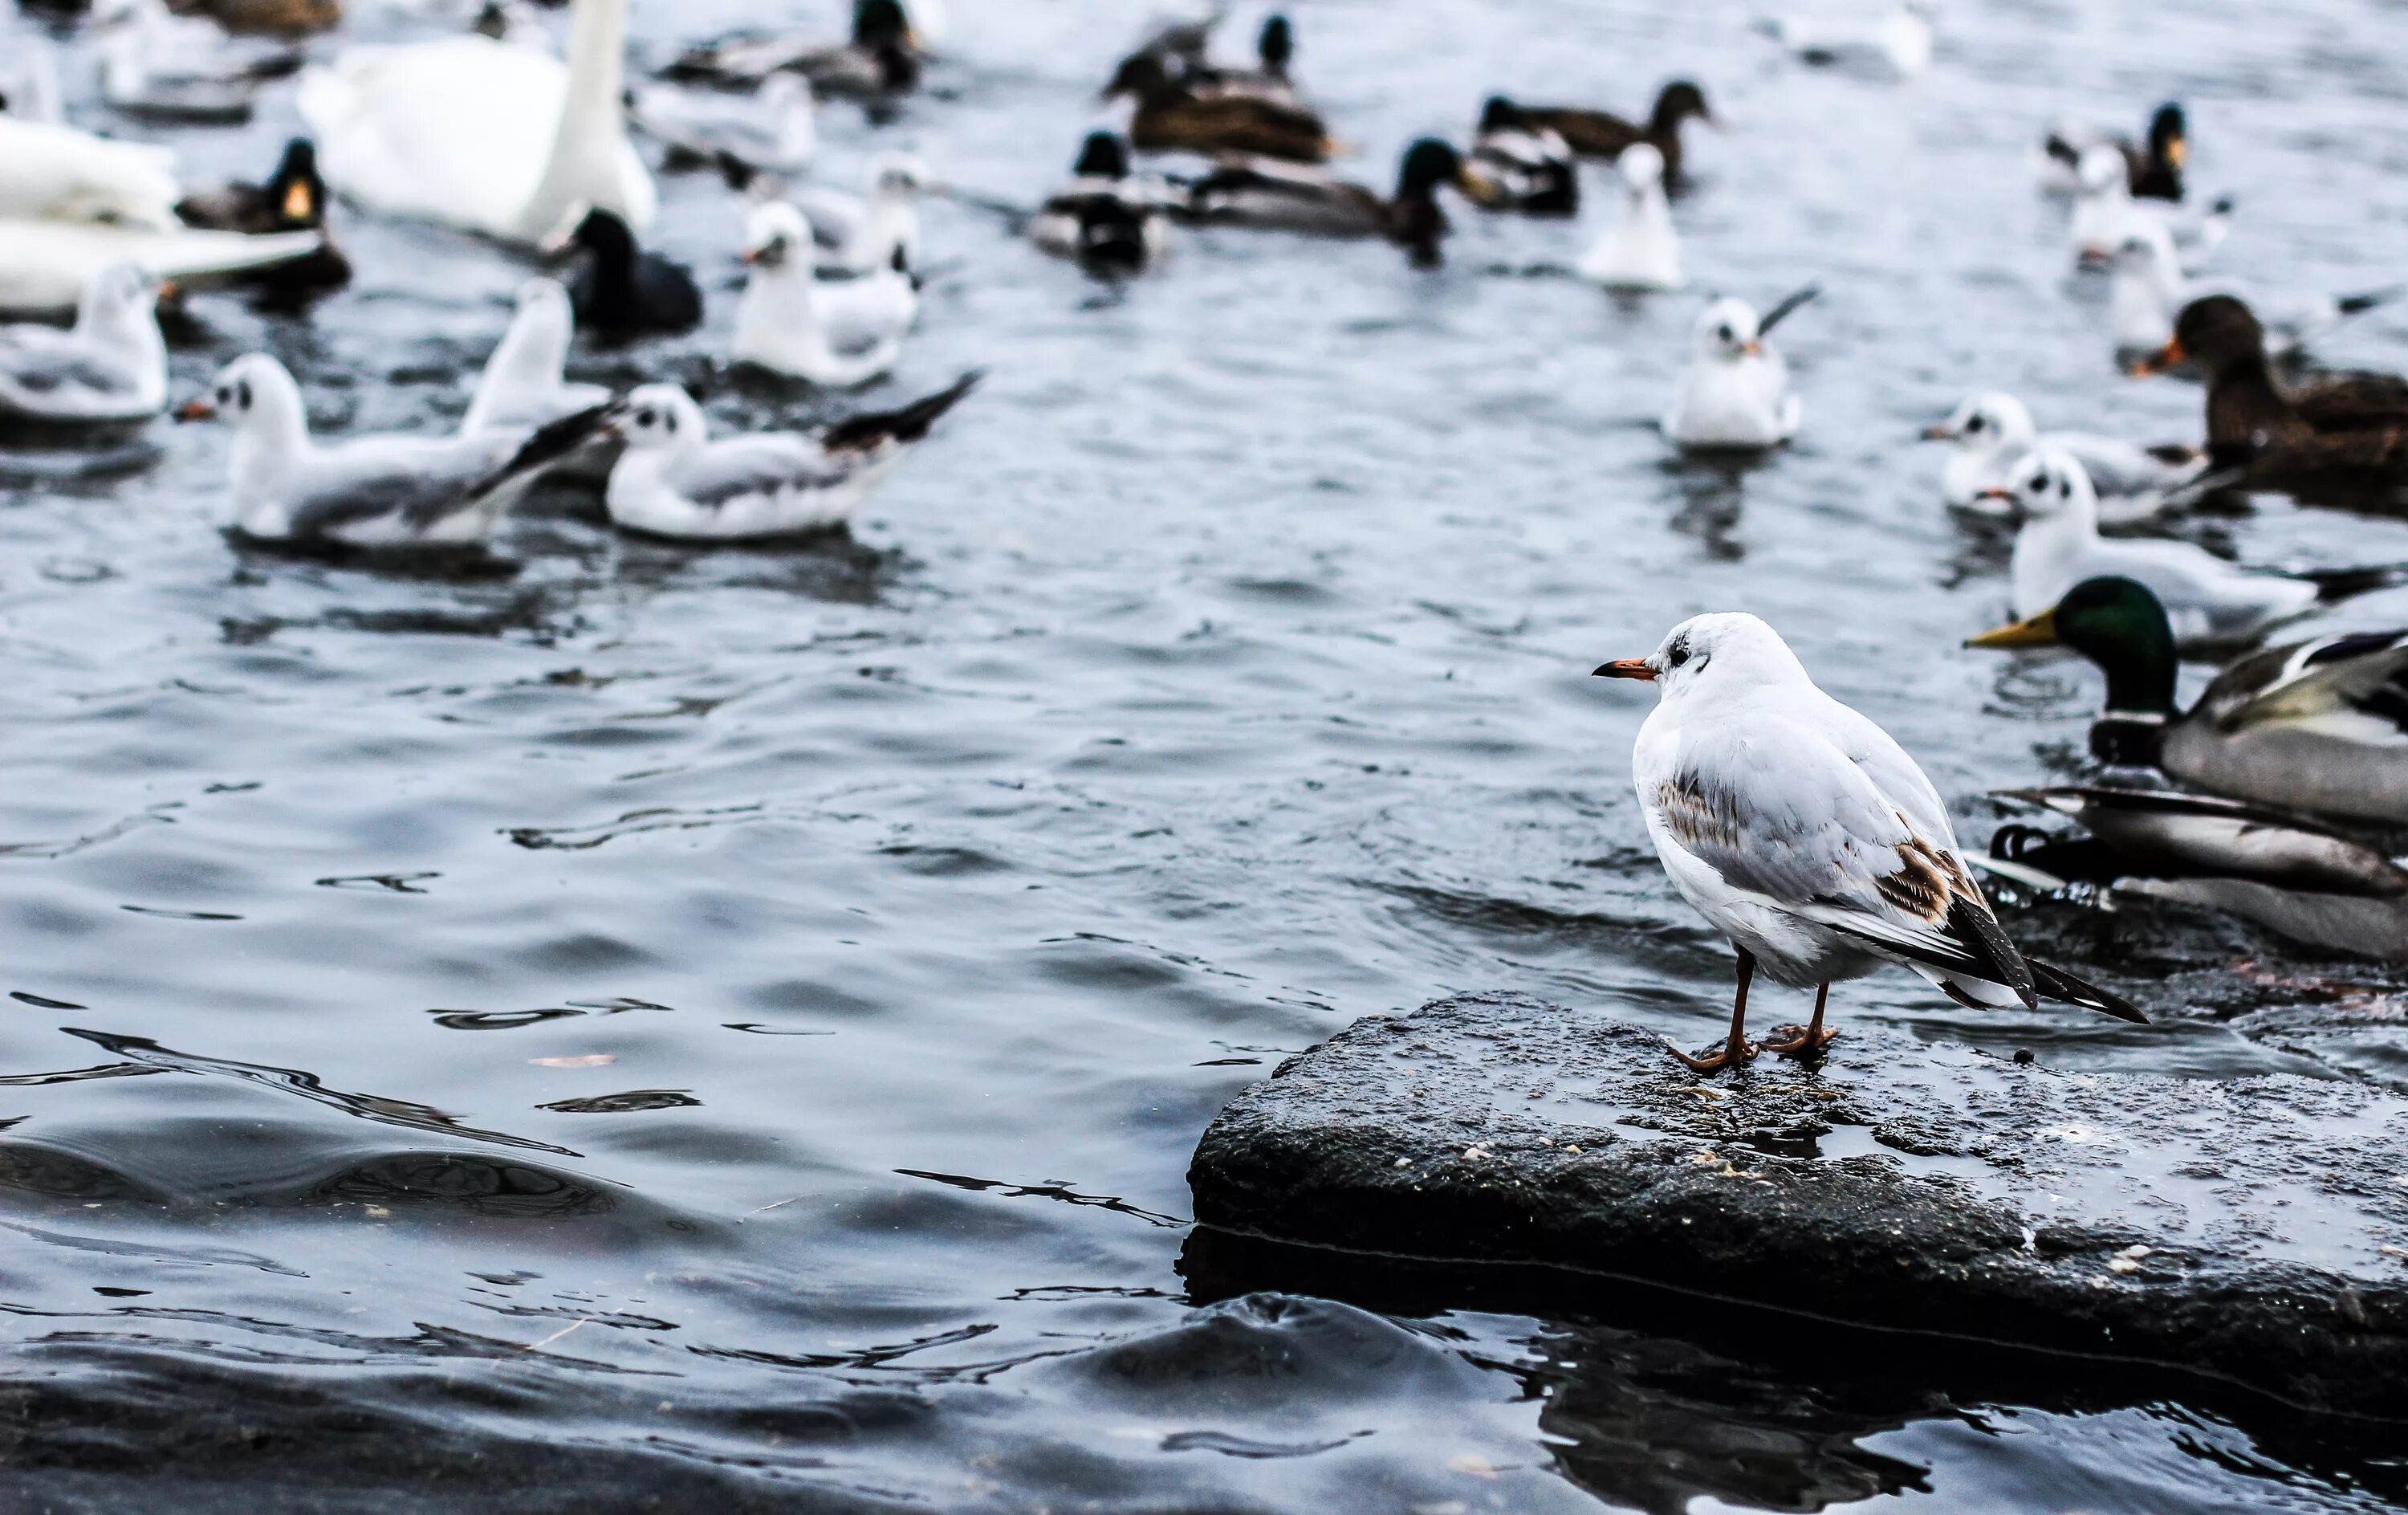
x: 585, y: 145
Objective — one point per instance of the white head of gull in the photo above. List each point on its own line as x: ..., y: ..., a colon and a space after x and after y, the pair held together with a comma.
x: 487, y: 136
x: 1800, y: 830
x: 1735, y: 394
x: 110, y: 366
x: 857, y: 233
x: 2208, y: 601
x: 1994, y: 431
x: 1641, y: 250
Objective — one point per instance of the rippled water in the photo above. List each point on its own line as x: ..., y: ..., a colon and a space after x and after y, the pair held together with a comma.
x: 665, y: 1024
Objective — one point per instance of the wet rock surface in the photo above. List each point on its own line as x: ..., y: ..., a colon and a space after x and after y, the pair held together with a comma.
x: 2255, y: 1229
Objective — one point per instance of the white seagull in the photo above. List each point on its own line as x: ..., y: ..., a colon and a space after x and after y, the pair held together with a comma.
x: 2105, y: 214
x: 1899, y: 45
x: 790, y: 321
x: 1640, y: 249
x: 61, y: 173
x: 46, y: 265
x: 486, y: 136
x: 1800, y: 830
x: 1994, y: 432
x: 2146, y: 290
x: 1735, y: 394
x: 770, y: 131
x: 674, y: 481
x: 111, y: 365
x: 522, y: 384
x: 382, y: 490
x: 2208, y: 601
x: 860, y: 233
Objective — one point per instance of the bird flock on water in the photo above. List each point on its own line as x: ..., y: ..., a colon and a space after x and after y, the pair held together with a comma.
x: 1793, y: 822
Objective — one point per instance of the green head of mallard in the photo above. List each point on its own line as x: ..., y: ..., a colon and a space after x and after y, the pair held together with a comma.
x: 1430, y: 163
x: 2119, y: 625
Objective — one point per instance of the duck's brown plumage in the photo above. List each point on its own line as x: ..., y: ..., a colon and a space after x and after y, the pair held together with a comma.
x: 2339, y: 426
x: 1601, y: 134
x: 1211, y: 115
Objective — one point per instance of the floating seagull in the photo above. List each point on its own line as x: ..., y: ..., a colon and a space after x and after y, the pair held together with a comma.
x: 1899, y: 45
x: 1601, y: 134
x: 1994, y: 432
x: 673, y: 481
x: 771, y: 132
x: 882, y: 58
x: 1104, y: 218
x: 2319, y: 725
x: 1735, y: 394
x: 1284, y: 198
x: 2341, y: 427
x: 622, y: 291
x: 61, y: 173
x: 790, y: 321
x: 1800, y: 830
x: 157, y: 65
x: 110, y: 366
x: 487, y: 137
x: 381, y: 490
x: 46, y: 264
x: 2296, y: 878
x: 2105, y: 215
x: 2153, y: 170
x: 1641, y: 250
x: 29, y: 91
x: 858, y: 233
x: 2147, y: 290
x: 1533, y: 168
x: 2210, y: 601
x: 292, y: 199
x: 523, y: 386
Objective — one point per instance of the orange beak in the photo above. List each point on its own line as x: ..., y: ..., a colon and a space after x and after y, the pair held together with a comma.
x: 199, y: 409
x: 1752, y: 349
x: 1938, y: 431
x: 2169, y: 356
x: 1626, y: 668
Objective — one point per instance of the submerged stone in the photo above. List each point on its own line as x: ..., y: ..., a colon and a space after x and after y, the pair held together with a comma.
x: 2253, y: 1229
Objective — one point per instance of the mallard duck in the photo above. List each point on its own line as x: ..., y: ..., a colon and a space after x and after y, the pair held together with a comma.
x: 2153, y: 169
x: 1184, y: 50
x: 1288, y: 199
x: 1533, y: 168
x: 1601, y: 134
x: 1104, y: 218
x: 2319, y: 726
x: 2351, y: 425
x: 881, y: 59
x: 2279, y: 869
x: 1178, y: 112
x: 291, y: 199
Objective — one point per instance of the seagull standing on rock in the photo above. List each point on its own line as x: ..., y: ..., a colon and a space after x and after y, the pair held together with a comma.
x: 1808, y: 837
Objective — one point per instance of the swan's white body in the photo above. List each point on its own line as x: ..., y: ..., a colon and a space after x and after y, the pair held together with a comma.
x: 59, y: 172
x: 487, y: 137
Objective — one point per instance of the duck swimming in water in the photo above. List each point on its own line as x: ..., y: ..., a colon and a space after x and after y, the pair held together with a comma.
x: 2319, y: 726
x: 1105, y: 218
x: 1601, y: 134
x: 1174, y: 112
x: 2153, y: 169
x: 1279, y: 198
x: 1534, y: 169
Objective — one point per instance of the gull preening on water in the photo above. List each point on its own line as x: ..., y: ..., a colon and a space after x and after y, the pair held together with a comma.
x: 484, y: 135
x: 1735, y: 394
x: 1641, y: 250
x: 834, y: 332
x: 1994, y: 432
x: 381, y: 490
x: 675, y: 480
x: 2208, y: 600
x: 110, y: 366
x: 1800, y: 830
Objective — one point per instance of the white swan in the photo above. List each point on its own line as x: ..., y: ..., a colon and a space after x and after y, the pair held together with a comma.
x: 71, y: 175
x: 484, y: 135
x: 46, y: 264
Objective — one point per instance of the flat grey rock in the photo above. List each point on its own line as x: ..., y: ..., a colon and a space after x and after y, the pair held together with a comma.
x: 2255, y: 1231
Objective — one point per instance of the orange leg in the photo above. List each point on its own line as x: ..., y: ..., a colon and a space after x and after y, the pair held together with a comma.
x: 1804, y: 1042
x: 1736, y: 1048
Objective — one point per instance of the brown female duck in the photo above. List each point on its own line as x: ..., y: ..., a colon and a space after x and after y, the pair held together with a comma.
x: 2336, y: 426
x: 1601, y: 134
x: 1178, y: 109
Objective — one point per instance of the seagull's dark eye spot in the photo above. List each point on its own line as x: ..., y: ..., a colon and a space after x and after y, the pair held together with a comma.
x: 1679, y: 655
x: 242, y: 395
x: 2065, y: 489
x: 1974, y: 426
x: 645, y: 417
x: 225, y: 395
x: 1725, y: 333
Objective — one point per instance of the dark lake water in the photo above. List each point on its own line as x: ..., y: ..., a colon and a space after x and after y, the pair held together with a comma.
x: 683, y: 1028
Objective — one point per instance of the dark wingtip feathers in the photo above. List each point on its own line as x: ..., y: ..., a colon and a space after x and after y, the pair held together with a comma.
x: 907, y: 425
x: 2060, y: 984
x: 549, y: 444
